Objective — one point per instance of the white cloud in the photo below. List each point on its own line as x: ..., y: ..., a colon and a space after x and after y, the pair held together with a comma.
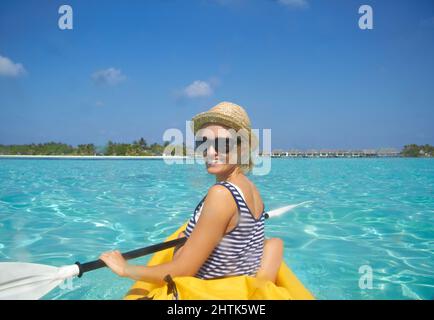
x: 294, y: 3
x: 110, y: 76
x: 10, y: 69
x: 197, y: 89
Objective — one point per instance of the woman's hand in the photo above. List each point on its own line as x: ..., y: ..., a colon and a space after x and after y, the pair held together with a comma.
x: 115, y: 261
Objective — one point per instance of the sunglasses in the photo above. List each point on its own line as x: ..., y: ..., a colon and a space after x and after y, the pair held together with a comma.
x: 221, y: 145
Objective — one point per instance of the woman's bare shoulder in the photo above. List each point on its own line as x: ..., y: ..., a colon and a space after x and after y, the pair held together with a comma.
x: 253, y: 196
x: 249, y: 186
x: 220, y: 201
x: 218, y: 190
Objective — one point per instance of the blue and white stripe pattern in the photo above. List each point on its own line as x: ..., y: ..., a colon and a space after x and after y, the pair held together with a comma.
x: 240, y: 250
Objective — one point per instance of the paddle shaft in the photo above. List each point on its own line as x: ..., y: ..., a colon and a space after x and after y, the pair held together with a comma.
x: 97, y: 264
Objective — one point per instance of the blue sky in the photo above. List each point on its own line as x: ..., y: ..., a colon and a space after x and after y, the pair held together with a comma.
x: 303, y: 68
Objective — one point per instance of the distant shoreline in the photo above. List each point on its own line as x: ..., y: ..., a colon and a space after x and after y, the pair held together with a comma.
x: 92, y: 157
x: 76, y: 157
x: 274, y: 156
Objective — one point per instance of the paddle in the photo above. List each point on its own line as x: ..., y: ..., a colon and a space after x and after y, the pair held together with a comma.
x: 30, y: 281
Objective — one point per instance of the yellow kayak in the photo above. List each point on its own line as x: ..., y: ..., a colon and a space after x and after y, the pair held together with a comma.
x: 287, y: 286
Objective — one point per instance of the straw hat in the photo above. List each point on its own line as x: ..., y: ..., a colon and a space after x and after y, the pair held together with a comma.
x: 228, y: 114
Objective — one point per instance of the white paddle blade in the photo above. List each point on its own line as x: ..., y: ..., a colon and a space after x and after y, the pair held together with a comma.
x: 282, y: 210
x: 30, y: 281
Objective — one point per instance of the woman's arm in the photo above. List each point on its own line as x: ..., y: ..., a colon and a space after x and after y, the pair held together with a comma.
x: 217, y: 211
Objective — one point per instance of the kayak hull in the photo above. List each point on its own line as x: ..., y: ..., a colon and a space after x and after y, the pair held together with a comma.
x: 287, y: 286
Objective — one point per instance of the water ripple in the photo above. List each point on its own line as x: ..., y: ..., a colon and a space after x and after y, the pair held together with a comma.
x: 376, y: 212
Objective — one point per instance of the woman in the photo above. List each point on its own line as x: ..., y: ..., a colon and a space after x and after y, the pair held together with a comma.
x: 228, y: 239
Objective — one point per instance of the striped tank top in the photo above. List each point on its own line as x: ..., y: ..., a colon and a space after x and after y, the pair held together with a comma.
x: 240, y: 250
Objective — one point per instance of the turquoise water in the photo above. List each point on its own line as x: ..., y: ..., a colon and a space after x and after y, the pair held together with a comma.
x: 376, y: 212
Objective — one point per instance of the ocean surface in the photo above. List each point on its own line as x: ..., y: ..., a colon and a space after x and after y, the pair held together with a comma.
x: 365, y: 214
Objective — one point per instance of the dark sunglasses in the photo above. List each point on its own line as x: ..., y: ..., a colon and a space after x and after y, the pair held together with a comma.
x: 226, y: 143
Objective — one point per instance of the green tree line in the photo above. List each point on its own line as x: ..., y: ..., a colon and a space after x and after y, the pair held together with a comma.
x: 414, y: 150
x: 136, y: 148
x: 142, y: 148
